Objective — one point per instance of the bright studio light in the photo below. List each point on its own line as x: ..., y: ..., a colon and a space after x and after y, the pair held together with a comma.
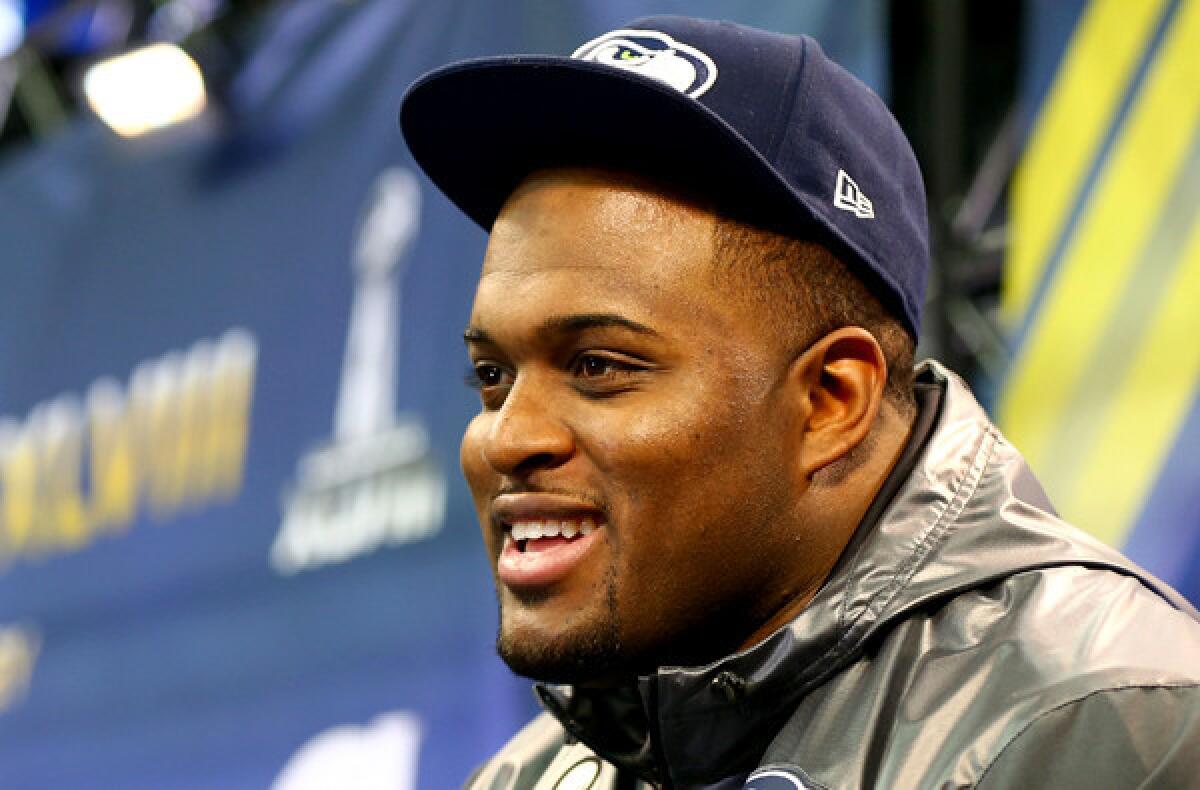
x: 12, y: 25
x: 145, y: 89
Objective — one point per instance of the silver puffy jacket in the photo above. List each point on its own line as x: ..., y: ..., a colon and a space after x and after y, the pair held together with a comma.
x: 967, y: 638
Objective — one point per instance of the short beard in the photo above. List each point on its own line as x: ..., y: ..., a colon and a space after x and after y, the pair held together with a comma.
x: 590, y: 651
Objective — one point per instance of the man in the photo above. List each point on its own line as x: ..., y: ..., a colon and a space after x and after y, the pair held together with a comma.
x: 734, y: 537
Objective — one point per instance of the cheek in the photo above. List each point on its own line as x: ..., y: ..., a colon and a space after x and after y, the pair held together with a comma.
x: 681, y: 469
x: 682, y: 440
x: 696, y: 491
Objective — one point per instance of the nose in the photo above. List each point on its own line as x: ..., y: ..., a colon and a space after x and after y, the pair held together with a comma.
x: 525, y: 434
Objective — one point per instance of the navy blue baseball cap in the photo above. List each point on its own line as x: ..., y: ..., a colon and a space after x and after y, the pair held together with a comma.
x: 764, y: 124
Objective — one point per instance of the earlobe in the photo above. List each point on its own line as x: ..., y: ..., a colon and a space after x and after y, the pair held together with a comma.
x: 844, y: 374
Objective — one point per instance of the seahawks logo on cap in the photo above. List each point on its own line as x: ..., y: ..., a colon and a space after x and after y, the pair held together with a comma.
x: 655, y: 55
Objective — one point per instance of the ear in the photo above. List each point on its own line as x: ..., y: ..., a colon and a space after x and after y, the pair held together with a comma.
x: 842, y: 378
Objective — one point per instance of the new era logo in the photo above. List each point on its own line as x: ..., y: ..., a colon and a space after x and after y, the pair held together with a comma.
x: 848, y: 197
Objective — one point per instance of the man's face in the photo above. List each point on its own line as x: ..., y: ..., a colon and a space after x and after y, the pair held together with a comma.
x: 634, y: 410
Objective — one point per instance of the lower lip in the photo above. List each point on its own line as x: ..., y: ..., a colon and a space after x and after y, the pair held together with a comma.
x: 545, y: 561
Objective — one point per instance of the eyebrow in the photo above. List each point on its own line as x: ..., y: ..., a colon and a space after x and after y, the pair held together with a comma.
x: 565, y: 324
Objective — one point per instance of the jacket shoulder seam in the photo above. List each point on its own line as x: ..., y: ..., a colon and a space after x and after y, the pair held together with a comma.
x: 1074, y: 701
x: 964, y: 489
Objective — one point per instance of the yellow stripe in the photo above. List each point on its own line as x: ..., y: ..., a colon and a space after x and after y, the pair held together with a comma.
x: 1095, y: 72
x: 1150, y: 406
x: 1121, y: 210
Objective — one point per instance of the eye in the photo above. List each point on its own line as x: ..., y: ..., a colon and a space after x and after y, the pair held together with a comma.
x: 484, y: 375
x: 489, y: 375
x: 594, y: 366
x: 605, y: 373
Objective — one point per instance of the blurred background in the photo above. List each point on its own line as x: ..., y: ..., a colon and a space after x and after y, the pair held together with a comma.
x: 235, y: 549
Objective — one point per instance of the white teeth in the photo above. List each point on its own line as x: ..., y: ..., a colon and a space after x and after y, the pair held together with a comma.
x: 532, y: 530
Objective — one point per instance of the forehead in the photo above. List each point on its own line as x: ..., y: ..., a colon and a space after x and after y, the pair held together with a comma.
x: 574, y: 235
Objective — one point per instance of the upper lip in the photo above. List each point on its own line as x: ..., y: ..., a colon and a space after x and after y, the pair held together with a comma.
x: 510, y: 508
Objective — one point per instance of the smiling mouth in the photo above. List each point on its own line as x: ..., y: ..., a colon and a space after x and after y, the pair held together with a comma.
x: 541, y: 553
x: 539, y: 535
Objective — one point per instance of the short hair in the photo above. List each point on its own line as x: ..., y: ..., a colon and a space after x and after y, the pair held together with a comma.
x: 806, y: 292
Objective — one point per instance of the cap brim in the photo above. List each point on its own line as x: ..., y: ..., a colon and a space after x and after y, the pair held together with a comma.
x: 479, y: 127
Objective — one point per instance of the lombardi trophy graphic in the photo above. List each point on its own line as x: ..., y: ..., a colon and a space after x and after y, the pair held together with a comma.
x: 366, y: 400
x: 374, y: 483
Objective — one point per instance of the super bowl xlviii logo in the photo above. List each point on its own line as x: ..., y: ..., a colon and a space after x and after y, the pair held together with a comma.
x: 655, y: 55
x: 374, y: 483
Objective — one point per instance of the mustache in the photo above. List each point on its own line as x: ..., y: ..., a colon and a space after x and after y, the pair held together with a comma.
x: 583, y: 496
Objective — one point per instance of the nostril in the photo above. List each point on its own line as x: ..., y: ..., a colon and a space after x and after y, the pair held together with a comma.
x: 535, y: 462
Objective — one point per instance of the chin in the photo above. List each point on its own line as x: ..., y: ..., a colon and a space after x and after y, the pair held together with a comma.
x: 571, y: 650
x: 574, y: 652
x: 575, y: 662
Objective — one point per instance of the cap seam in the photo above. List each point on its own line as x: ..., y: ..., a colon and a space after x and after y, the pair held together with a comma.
x: 783, y: 115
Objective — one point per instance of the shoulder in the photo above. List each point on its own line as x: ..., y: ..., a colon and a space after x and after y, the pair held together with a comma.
x: 1064, y: 621
x: 1118, y: 699
x: 1122, y: 736
x: 1064, y: 661
x: 542, y: 756
x: 1072, y: 627
x: 989, y: 682
x: 1084, y: 677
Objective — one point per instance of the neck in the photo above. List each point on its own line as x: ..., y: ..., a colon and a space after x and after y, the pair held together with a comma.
x: 830, y: 523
